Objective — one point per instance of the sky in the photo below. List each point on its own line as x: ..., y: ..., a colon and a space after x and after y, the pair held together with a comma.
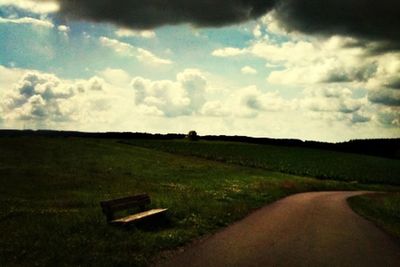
x: 307, y: 69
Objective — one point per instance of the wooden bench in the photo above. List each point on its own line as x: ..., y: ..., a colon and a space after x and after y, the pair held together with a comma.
x: 138, y: 202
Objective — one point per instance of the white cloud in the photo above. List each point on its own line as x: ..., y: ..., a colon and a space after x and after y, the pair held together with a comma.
x: 228, y: 52
x: 251, y: 100
x: 134, y: 33
x: 8, y: 77
x: 146, y: 56
x: 37, y: 98
x: 310, y: 62
x: 338, y: 64
x: 63, y: 28
x: 108, y: 101
x: 247, y: 102
x: 331, y: 99
x: 215, y: 109
x: 257, y: 31
x: 185, y: 96
x: 126, y: 49
x: 387, y: 73
x: 28, y: 20
x: 389, y: 117
x: 42, y: 100
x: 116, y: 76
x: 248, y: 70
x: 119, y: 47
x: 34, y: 6
x: 334, y: 104
x: 272, y: 24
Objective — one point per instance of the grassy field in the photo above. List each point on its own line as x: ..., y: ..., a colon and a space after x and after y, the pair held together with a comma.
x: 51, y: 188
x: 382, y: 209
x: 321, y: 164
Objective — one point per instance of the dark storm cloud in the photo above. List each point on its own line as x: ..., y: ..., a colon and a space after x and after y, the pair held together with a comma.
x: 361, y: 74
x: 357, y: 118
x: 394, y: 83
x: 368, y: 19
x: 388, y: 97
x: 365, y: 19
x: 153, y: 13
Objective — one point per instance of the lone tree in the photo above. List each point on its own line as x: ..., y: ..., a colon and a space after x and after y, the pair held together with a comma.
x: 192, y: 136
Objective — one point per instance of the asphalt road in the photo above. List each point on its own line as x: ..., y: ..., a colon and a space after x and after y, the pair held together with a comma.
x: 308, y: 229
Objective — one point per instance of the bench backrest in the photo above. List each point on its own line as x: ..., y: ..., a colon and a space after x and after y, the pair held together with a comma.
x: 109, y: 207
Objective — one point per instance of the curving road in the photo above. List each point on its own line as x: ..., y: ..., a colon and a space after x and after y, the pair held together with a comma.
x: 308, y: 229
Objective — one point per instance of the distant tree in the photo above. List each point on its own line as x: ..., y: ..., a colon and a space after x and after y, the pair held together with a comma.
x: 192, y: 136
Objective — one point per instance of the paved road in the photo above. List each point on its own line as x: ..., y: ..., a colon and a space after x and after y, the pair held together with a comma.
x: 309, y: 229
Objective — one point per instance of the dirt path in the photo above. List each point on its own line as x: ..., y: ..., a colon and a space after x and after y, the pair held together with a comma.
x: 309, y: 229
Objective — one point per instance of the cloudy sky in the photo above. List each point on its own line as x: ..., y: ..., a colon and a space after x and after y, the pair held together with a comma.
x: 309, y: 69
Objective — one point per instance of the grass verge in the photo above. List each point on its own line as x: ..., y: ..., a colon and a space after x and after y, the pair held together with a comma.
x: 382, y: 209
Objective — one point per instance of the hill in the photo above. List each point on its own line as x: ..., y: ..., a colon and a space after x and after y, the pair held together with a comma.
x: 389, y: 148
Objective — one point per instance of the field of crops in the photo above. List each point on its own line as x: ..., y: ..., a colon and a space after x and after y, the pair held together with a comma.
x: 322, y: 164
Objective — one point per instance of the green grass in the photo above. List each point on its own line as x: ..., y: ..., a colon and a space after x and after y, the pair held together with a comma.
x: 382, y: 209
x: 51, y: 188
x: 321, y: 164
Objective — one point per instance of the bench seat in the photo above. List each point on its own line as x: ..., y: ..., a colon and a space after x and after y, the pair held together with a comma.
x: 137, y: 216
x: 111, y: 208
